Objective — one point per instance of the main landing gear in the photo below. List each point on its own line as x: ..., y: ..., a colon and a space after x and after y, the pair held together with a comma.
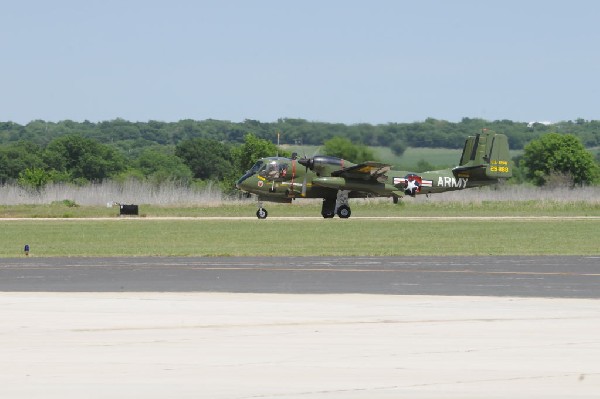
x: 331, y: 207
x: 328, y: 211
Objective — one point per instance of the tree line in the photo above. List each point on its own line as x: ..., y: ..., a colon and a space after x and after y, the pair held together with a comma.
x: 196, y: 152
x: 75, y: 159
x: 135, y: 136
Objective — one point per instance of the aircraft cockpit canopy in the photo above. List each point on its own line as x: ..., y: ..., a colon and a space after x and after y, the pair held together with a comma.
x: 255, y: 168
x: 269, y: 169
x: 273, y: 168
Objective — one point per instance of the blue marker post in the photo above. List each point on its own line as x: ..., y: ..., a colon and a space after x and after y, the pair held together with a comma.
x: 26, y: 249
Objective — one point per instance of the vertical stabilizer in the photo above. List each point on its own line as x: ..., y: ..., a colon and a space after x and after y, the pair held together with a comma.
x: 485, y: 156
x: 498, y: 157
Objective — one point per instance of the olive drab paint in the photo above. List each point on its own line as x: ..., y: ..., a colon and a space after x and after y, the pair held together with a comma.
x: 484, y: 161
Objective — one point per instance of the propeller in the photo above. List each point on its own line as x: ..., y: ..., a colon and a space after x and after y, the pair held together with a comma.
x: 306, y: 162
x: 304, y: 183
x: 303, y: 161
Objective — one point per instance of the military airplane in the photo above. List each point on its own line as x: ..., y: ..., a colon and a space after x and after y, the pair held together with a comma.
x: 484, y: 161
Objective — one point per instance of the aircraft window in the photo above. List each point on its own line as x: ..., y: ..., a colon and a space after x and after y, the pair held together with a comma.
x: 263, y: 170
x: 256, y: 167
x: 283, y: 168
x: 273, y: 169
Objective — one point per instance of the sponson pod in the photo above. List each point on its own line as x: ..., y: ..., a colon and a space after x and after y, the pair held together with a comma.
x: 340, y: 183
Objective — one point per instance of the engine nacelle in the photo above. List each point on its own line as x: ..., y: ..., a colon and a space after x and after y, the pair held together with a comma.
x: 319, y: 163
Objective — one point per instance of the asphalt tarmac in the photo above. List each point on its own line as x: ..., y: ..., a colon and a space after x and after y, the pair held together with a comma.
x: 516, y: 276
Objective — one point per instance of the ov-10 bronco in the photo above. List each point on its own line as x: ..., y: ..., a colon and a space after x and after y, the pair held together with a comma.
x: 484, y: 161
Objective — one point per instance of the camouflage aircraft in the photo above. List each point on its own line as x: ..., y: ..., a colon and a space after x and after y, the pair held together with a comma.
x: 484, y: 161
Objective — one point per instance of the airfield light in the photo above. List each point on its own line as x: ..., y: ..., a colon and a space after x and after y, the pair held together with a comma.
x: 26, y: 249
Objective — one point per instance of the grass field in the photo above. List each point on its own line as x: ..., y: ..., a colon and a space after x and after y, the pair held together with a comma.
x: 459, y: 203
x: 564, y: 222
x: 299, y: 237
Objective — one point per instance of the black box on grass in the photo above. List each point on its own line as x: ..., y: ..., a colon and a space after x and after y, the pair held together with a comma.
x: 128, y: 210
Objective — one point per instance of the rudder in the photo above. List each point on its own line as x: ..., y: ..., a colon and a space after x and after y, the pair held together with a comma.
x: 485, y: 156
x: 498, y: 158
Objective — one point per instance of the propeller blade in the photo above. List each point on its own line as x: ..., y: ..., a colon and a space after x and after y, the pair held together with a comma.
x: 304, y: 187
x: 304, y: 182
x: 293, y: 177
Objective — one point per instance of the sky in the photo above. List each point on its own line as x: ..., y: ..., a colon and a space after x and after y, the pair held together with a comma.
x: 339, y: 61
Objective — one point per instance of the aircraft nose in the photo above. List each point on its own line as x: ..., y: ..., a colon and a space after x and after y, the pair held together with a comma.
x: 240, y: 182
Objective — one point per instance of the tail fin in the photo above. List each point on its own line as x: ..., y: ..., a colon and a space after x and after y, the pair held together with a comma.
x: 485, y: 157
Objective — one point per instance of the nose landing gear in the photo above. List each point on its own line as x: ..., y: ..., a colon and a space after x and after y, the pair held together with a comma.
x: 262, y: 213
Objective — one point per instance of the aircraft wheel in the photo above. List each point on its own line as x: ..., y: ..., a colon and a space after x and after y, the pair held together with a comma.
x: 328, y: 214
x: 261, y: 213
x: 344, y: 212
x: 328, y: 209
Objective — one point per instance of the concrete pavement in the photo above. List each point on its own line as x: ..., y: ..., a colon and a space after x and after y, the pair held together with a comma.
x: 233, y: 346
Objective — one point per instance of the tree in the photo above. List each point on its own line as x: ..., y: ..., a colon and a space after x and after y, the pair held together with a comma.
x: 37, y: 178
x: 557, y: 154
x: 343, y: 148
x: 17, y: 157
x: 159, y: 165
x: 34, y: 178
x: 398, y: 147
x: 251, y: 151
x: 83, y: 158
x: 206, y: 158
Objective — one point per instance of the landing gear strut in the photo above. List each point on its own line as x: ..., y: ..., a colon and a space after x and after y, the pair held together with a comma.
x: 338, y: 205
x: 343, y: 209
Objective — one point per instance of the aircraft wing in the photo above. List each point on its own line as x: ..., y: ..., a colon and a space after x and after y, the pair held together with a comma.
x: 366, y: 171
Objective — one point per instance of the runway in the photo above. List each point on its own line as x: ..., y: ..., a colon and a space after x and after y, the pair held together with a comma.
x: 298, y: 328
x: 516, y: 276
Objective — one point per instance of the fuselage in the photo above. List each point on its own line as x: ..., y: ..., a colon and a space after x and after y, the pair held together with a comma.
x: 283, y: 179
x: 484, y: 161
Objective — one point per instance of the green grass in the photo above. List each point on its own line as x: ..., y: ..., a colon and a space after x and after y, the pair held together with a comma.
x: 280, y: 237
x: 241, y: 235
x: 379, y: 207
